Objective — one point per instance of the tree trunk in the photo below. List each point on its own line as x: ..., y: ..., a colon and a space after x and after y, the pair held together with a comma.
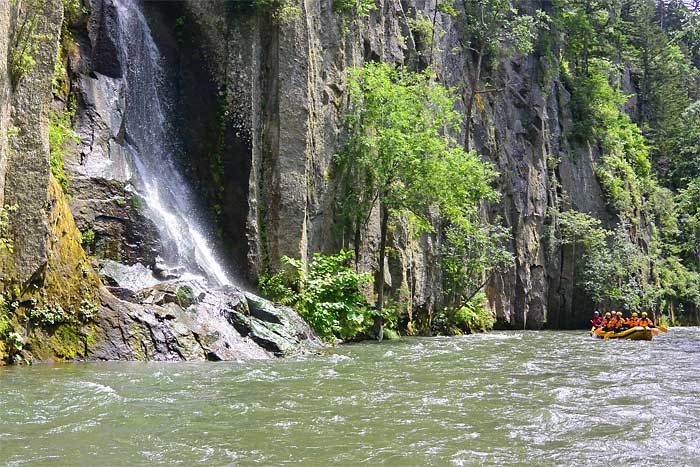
x: 468, y: 122
x: 357, y: 240
x: 379, y: 321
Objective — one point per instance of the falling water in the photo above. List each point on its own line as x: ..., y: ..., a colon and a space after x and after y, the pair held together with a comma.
x: 167, y: 195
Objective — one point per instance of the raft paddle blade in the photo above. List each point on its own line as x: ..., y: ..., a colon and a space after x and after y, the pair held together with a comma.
x: 662, y: 328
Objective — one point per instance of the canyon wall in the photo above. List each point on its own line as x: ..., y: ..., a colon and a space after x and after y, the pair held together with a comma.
x: 259, y: 112
x: 283, y: 81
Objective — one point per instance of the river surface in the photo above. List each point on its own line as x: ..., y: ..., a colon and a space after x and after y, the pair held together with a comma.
x: 504, y: 398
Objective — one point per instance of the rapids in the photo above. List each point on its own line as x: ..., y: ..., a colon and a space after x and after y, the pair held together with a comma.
x: 504, y: 398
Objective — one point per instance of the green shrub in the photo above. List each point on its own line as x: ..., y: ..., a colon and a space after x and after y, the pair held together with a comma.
x: 48, y: 315
x: 88, y: 310
x: 470, y: 318
x: 473, y: 316
x: 277, y: 287
x: 326, y: 293
x: 7, y: 311
x: 282, y: 11
x: 360, y: 8
x: 87, y: 238
x: 72, y: 9
x: 422, y: 27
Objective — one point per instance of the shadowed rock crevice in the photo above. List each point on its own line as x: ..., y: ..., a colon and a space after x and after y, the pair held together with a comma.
x: 215, y: 151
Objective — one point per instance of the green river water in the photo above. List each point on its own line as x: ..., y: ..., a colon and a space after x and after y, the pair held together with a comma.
x: 501, y: 399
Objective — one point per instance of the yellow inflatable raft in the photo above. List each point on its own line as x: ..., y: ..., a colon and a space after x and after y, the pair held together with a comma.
x: 637, y: 333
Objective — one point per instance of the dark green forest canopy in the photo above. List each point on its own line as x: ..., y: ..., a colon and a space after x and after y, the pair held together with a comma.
x: 633, y: 69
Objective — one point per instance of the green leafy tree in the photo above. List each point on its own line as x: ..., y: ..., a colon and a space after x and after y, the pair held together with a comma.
x: 688, y: 205
x: 400, y: 156
x: 664, y: 74
x: 588, y: 240
x: 470, y: 259
x: 611, y: 268
x: 590, y: 29
x: 685, y: 159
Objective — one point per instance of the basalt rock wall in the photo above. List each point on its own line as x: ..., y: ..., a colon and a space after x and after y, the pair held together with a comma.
x: 262, y: 99
x: 284, y: 80
x: 53, y: 304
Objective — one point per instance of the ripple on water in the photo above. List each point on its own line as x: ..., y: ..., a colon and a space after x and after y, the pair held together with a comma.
x: 519, y: 398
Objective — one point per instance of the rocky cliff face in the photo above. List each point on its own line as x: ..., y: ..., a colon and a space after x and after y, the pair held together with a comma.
x: 284, y: 83
x: 261, y: 101
x: 24, y: 145
x: 53, y: 304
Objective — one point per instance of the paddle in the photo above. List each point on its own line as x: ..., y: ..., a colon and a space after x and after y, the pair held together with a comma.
x: 662, y: 328
x: 608, y: 334
x: 655, y: 331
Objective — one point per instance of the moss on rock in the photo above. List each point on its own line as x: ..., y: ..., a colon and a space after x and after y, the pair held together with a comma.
x: 66, y: 282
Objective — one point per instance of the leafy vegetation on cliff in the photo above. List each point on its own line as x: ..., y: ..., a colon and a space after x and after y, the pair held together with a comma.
x: 326, y: 292
x: 402, y: 160
x: 648, y: 146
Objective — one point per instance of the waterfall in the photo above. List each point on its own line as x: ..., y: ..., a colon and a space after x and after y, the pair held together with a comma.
x: 152, y: 145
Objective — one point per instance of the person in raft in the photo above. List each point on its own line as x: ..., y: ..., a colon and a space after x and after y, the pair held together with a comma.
x: 612, y: 321
x: 632, y: 321
x: 616, y: 322
x: 620, y: 324
x: 645, y: 321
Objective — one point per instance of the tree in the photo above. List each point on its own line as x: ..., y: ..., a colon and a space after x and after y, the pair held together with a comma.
x: 470, y: 259
x: 588, y: 241
x: 590, y: 30
x: 401, y: 158
x: 685, y: 159
x: 688, y: 206
x: 491, y: 27
x: 664, y: 75
x: 612, y: 269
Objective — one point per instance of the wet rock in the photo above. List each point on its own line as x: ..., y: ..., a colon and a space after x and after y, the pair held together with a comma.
x: 164, y: 272
x: 132, y: 278
x: 107, y: 57
x: 186, y: 320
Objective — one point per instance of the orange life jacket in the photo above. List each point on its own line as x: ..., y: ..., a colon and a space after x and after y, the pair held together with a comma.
x: 646, y: 322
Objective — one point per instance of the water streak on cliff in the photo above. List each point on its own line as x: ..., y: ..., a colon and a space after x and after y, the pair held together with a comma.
x: 168, y: 197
